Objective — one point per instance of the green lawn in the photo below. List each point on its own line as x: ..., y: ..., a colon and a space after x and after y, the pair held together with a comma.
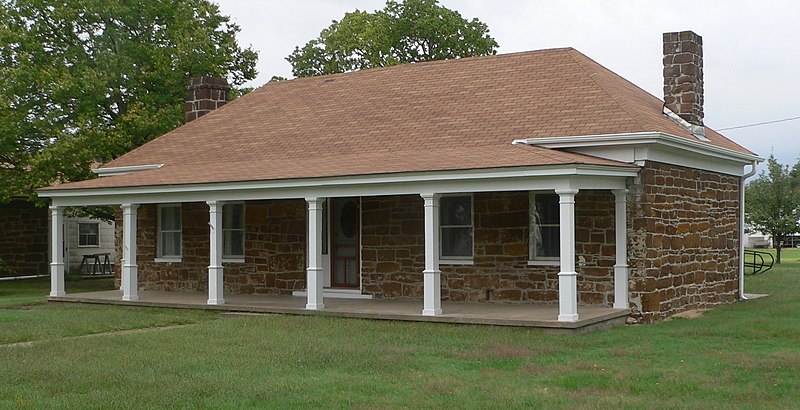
x: 740, y: 355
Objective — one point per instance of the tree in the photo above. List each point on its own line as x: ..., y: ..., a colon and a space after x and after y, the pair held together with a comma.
x: 84, y: 81
x: 773, y: 202
x: 405, y: 32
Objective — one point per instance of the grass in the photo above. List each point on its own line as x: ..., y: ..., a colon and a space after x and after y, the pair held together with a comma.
x: 740, y: 355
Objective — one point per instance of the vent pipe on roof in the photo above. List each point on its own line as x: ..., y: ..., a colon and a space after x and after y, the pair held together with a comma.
x: 205, y: 94
x: 683, y: 75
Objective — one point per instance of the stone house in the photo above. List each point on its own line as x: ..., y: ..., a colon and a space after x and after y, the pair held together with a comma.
x: 533, y: 177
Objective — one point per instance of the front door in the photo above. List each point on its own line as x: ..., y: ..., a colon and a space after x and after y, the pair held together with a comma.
x: 345, y: 228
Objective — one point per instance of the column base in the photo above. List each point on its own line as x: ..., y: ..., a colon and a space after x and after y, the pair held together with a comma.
x: 568, y: 318
x: 621, y: 273
x: 216, y: 302
x: 58, y: 293
x: 315, y: 306
x: 130, y: 298
x: 431, y: 312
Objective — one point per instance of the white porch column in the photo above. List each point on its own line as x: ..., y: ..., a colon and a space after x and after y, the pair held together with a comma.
x: 130, y: 270
x: 431, y: 276
x: 315, y: 272
x: 621, y: 235
x: 215, y: 269
x: 57, y: 251
x: 567, y: 278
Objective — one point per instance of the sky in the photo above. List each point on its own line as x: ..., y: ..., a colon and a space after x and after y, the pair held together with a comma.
x: 751, y: 49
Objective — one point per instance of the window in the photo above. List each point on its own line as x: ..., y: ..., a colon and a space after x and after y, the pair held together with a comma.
x: 88, y: 234
x: 233, y: 231
x: 544, y: 229
x: 169, y: 231
x: 455, y: 227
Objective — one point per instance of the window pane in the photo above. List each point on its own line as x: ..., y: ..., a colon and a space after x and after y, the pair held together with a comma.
x: 88, y: 229
x: 546, y: 209
x: 456, y: 242
x: 455, y: 210
x: 549, y: 245
x: 170, y: 244
x: 233, y: 216
x: 233, y: 243
x: 171, y: 218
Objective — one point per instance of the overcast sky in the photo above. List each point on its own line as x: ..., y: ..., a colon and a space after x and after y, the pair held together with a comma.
x: 751, y: 48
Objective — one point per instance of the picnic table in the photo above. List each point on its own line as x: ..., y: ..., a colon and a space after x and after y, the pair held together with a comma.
x: 100, y: 263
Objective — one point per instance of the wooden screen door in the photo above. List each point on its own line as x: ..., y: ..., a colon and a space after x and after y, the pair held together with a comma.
x: 345, y: 229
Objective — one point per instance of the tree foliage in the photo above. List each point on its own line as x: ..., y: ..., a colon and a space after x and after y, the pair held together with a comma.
x: 772, y: 203
x: 402, y: 32
x: 84, y: 81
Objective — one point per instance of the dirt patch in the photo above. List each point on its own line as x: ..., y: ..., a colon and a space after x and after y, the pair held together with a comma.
x: 113, y: 332
x: 689, y: 314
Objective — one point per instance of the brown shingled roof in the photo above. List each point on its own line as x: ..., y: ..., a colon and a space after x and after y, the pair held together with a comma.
x: 444, y: 115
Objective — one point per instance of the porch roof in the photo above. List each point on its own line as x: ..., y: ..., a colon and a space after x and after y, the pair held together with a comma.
x: 437, y: 116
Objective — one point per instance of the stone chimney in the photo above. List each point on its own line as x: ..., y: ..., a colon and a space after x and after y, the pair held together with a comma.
x: 683, y: 75
x: 204, y: 94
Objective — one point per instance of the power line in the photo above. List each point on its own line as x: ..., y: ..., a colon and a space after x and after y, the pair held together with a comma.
x: 759, y: 123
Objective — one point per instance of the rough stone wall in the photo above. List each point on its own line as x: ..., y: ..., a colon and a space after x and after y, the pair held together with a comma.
x: 684, y: 240
x: 393, y: 251
x: 23, y: 239
x: 274, y: 250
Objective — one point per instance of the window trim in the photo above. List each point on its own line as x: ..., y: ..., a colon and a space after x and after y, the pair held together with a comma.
x: 97, y: 224
x: 534, y: 260
x: 233, y: 258
x: 457, y: 260
x: 160, y: 257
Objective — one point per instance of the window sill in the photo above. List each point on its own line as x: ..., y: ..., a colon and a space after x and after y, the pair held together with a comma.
x: 177, y: 259
x: 232, y: 260
x: 544, y: 263
x: 88, y: 246
x: 456, y: 262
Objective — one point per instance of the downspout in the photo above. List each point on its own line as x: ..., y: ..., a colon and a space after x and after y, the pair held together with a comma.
x: 741, y: 226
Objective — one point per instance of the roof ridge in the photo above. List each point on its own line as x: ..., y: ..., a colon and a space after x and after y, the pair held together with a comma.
x: 623, y: 107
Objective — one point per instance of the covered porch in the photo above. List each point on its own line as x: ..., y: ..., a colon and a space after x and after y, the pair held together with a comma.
x: 538, y: 315
x: 562, y: 183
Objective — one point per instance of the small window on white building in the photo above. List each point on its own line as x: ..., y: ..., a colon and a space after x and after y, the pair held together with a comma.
x: 233, y: 231
x: 169, y: 231
x: 544, y: 227
x: 89, y: 234
x: 455, y: 227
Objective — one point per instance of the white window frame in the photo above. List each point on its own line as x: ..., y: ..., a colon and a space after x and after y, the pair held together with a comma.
x: 225, y: 209
x: 457, y: 260
x: 533, y: 259
x: 97, y: 245
x: 160, y: 256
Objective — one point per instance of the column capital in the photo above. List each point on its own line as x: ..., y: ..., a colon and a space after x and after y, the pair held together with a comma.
x: 620, y: 195
x: 129, y: 206
x: 429, y: 196
x: 214, y: 203
x: 55, y: 208
x: 567, y: 191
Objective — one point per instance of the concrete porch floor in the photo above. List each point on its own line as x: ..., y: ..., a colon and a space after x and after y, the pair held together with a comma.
x: 541, y: 316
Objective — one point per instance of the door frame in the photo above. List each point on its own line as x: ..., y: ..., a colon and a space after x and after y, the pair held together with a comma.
x: 332, y: 220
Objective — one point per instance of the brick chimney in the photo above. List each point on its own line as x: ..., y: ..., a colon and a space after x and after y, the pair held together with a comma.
x: 683, y: 75
x: 204, y: 94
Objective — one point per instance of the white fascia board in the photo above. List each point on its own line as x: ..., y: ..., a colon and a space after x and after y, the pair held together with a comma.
x: 638, y: 138
x: 108, y: 172
x: 505, y: 179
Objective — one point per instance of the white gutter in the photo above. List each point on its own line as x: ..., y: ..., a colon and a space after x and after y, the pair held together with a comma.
x: 741, y: 226
x: 576, y: 141
x: 108, y: 172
